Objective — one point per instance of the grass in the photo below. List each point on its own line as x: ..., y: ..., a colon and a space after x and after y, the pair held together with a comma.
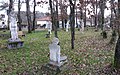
x: 91, y: 53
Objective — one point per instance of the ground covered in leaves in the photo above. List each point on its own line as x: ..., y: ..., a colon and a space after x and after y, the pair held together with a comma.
x: 92, y: 55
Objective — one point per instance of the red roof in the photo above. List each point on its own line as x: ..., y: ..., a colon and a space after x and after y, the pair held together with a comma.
x: 48, y: 18
x: 45, y: 18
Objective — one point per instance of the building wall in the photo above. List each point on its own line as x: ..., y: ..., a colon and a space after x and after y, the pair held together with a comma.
x: 41, y: 22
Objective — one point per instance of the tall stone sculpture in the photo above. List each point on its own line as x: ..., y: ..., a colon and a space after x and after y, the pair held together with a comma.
x: 14, y: 41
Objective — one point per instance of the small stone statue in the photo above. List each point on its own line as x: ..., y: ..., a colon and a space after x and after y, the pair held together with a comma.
x: 67, y: 26
x: 55, y: 55
x: 13, y: 26
x: 49, y: 26
x: 55, y: 50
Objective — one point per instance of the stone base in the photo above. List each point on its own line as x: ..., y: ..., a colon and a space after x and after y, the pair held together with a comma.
x: 63, y: 60
x: 53, y: 68
x: 58, y: 66
x: 15, y: 44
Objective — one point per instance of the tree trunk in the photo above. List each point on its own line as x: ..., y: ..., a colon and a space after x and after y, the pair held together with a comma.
x: 51, y: 11
x: 63, y: 24
x: 72, y: 22
x: 28, y: 16
x: 111, y: 16
x: 63, y: 9
x: 102, y: 13
x: 19, y: 17
x: 85, y: 15
x: 114, y: 34
x: 117, y: 49
x: 57, y: 14
x: 81, y: 18
x: 34, y: 17
x: 76, y: 18
x: 55, y: 24
x: 10, y: 8
x: 55, y: 18
x: 117, y: 54
x: 102, y: 8
x: 113, y: 38
x: 8, y: 22
x: 96, y: 20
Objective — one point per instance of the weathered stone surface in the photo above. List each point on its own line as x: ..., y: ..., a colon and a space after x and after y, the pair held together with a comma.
x: 53, y: 68
x: 15, y: 44
x: 58, y: 64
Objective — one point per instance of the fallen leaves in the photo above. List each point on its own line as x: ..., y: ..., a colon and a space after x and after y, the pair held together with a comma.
x: 90, y: 54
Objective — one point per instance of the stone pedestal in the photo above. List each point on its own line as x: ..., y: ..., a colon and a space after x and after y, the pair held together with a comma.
x: 12, y: 44
x: 57, y: 67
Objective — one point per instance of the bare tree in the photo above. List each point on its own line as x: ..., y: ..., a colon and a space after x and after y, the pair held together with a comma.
x: 96, y: 16
x: 117, y: 49
x: 102, y: 9
x: 9, y: 10
x: 56, y: 18
x: 28, y: 13
x: 10, y: 5
x: 57, y: 14
x: 19, y: 16
x: 85, y: 4
x: 114, y: 34
x: 72, y: 21
x: 51, y: 12
x: 63, y: 9
x: 54, y: 15
x: 34, y: 16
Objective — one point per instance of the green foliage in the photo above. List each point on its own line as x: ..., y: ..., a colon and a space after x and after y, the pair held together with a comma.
x: 90, y: 54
